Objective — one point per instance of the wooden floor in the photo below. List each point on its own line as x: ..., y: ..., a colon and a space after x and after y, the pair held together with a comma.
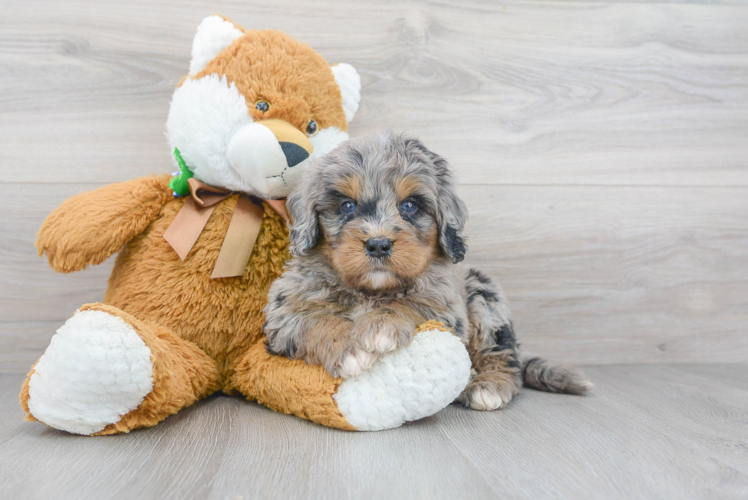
x: 656, y: 431
x: 602, y: 148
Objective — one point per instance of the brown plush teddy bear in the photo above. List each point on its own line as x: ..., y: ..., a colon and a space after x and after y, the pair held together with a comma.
x: 182, y: 316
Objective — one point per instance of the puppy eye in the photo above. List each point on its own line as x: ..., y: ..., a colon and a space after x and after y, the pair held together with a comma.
x: 408, y: 207
x: 311, y: 128
x: 262, y: 106
x: 348, y: 207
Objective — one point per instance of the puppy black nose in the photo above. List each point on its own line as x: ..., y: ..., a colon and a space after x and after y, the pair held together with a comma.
x: 378, y: 247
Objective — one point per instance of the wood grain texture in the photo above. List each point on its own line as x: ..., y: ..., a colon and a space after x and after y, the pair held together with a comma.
x: 513, y: 93
x: 602, y: 149
x: 676, y: 431
x: 618, y: 274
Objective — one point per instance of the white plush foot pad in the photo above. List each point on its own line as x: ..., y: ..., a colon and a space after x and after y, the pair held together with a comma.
x: 96, y: 369
x: 408, y: 384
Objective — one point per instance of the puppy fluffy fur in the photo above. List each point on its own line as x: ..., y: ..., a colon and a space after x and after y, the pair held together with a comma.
x: 341, y: 305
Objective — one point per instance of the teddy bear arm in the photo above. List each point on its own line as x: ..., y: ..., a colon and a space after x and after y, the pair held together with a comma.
x: 90, y: 227
x: 407, y: 384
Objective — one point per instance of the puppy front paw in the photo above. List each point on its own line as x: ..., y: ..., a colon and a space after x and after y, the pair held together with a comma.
x: 381, y: 334
x: 353, y: 364
x: 380, y: 342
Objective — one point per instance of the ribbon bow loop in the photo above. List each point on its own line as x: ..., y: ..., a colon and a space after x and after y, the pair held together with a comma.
x: 206, y: 196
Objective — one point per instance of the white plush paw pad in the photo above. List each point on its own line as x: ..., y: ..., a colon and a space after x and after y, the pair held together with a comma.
x: 96, y: 369
x: 408, y: 384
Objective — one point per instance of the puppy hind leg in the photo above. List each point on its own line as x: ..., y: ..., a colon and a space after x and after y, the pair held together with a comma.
x: 497, y: 379
x: 493, y: 349
x: 492, y: 346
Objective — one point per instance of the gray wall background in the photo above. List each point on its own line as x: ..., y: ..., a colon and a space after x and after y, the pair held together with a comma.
x: 606, y: 170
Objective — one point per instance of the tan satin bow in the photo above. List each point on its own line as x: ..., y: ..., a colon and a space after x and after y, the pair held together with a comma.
x: 240, y: 237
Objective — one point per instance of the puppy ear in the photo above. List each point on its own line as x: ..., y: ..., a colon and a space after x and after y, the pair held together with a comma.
x: 451, y: 211
x: 453, y: 215
x: 213, y: 35
x: 304, y: 232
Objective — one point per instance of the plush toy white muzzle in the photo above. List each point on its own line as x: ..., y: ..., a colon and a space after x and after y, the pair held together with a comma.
x: 265, y: 153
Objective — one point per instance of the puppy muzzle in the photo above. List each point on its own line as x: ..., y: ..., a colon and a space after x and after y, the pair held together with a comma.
x: 265, y: 153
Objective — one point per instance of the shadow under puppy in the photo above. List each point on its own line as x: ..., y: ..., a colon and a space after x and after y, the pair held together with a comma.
x: 376, y: 239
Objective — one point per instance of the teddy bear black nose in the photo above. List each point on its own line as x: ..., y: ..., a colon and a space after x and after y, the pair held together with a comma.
x: 378, y: 247
x: 295, y: 154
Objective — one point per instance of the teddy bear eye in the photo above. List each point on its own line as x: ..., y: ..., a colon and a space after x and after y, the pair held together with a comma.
x: 311, y: 128
x: 262, y: 106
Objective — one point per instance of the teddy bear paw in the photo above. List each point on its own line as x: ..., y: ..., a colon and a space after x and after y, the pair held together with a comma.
x: 96, y: 369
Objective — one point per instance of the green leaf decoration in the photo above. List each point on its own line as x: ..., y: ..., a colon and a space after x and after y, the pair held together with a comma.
x: 179, y: 184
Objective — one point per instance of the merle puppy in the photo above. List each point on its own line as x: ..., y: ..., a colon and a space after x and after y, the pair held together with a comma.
x: 376, y: 239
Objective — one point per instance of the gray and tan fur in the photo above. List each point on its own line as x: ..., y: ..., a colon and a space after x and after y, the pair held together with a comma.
x: 377, y: 238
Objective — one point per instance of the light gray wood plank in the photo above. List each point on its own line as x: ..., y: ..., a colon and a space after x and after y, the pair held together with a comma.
x: 618, y: 274
x: 646, y: 432
x: 23, y: 342
x: 594, y: 274
x: 512, y: 93
x: 676, y: 431
x: 30, y: 289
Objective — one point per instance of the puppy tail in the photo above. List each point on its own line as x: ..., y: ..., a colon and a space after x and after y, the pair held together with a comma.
x: 541, y: 374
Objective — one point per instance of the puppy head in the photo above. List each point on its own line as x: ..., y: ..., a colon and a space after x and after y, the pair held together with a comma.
x: 380, y: 208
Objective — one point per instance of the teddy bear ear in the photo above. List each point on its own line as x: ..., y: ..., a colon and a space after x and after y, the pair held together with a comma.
x: 213, y: 35
x: 349, y: 83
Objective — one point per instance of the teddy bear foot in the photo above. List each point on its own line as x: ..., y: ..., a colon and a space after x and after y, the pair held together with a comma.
x: 96, y: 369
x: 408, y: 384
x: 106, y: 372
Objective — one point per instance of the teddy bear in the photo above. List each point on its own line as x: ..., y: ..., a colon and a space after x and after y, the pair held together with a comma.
x: 182, y: 316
